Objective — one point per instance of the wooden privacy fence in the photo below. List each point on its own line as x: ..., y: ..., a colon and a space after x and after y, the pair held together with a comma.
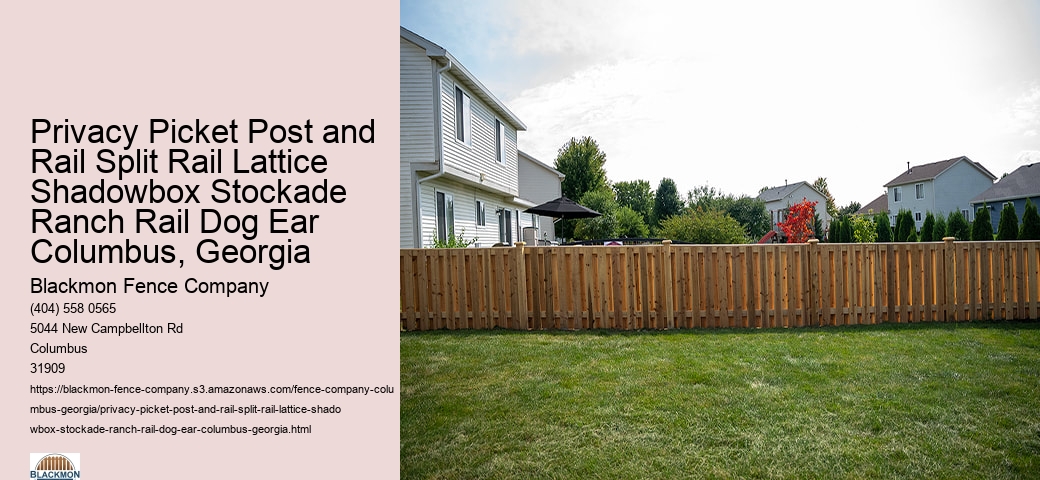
x: 707, y: 286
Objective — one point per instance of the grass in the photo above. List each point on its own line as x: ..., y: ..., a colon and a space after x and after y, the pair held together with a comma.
x: 889, y: 401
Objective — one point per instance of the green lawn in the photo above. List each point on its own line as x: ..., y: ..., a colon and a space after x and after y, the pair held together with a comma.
x: 891, y: 401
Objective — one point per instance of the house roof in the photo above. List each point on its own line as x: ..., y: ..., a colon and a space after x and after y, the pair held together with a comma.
x: 779, y: 193
x: 444, y: 58
x: 929, y: 171
x: 877, y: 205
x: 535, y: 161
x: 1023, y: 182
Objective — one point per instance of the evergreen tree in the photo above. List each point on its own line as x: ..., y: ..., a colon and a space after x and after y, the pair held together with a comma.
x: 957, y: 226
x: 928, y: 229
x: 834, y: 234
x: 846, y: 231
x: 982, y: 228
x: 666, y: 201
x: 912, y: 236
x: 1030, y: 223
x: 1007, y: 229
x: 904, y: 225
x: 884, y: 227
x: 939, y: 230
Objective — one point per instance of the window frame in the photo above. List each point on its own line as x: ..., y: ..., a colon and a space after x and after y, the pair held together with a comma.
x: 463, y: 115
x: 919, y: 191
x: 897, y: 194
x: 444, y: 205
x: 481, y: 216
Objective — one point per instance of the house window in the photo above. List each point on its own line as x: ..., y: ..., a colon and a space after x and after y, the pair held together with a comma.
x: 917, y: 216
x: 462, y: 116
x: 505, y: 226
x: 919, y: 190
x: 519, y: 230
x: 967, y: 214
x: 500, y: 142
x: 480, y: 213
x: 897, y: 194
x: 445, y: 216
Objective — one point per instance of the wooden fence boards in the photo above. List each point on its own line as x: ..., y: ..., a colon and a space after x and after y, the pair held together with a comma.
x: 713, y: 286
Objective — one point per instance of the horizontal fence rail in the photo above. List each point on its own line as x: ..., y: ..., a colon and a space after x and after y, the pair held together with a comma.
x: 712, y: 286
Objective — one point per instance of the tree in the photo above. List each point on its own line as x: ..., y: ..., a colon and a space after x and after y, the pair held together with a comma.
x: 957, y: 226
x: 834, y: 234
x: 582, y: 162
x: 1030, y: 223
x: 905, y: 225
x: 1007, y: 229
x: 846, y: 233
x: 982, y: 228
x: 863, y: 230
x: 666, y: 201
x: 603, y: 226
x: 884, y: 227
x: 630, y: 223
x: 850, y: 209
x: 707, y: 227
x: 751, y: 214
x: 797, y: 227
x: 817, y: 226
x: 928, y: 228
x: 939, y: 230
x: 821, y: 186
x: 636, y: 195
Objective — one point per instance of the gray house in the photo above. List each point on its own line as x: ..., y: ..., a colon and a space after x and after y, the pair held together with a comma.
x: 540, y: 183
x: 1022, y: 184
x: 779, y: 199
x: 939, y: 187
x: 459, y: 170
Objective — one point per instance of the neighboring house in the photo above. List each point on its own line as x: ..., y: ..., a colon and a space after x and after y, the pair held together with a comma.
x: 939, y: 187
x: 878, y: 205
x: 778, y: 199
x: 459, y: 167
x: 1015, y: 188
x: 540, y: 183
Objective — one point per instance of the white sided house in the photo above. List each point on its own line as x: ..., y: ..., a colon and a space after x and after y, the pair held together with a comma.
x: 459, y: 165
x: 938, y: 187
x: 779, y: 199
x: 540, y: 183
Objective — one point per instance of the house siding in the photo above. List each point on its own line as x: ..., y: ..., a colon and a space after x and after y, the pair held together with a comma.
x: 417, y: 128
x: 539, y: 185
x: 775, y: 207
x: 909, y: 200
x: 465, y: 206
x: 996, y: 207
x: 478, y: 157
x: 956, y: 186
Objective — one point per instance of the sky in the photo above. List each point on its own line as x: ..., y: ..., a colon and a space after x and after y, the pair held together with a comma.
x: 741, y: 95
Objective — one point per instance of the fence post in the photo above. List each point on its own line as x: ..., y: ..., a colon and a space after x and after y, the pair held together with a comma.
x: 813, y: 277
x: 949, y: 278
x: 519, y: 287
x: 666, y: 265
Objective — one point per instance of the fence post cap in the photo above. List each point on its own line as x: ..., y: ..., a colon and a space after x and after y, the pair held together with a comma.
x: 520, y: 244
x: 949, y: 239
x: 666, y: 242
x: 814, y: 241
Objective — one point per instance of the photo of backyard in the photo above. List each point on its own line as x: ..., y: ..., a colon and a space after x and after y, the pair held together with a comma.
x: 702, y: 305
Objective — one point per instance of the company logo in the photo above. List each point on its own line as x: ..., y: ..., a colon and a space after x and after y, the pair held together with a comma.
x: 54, y: 465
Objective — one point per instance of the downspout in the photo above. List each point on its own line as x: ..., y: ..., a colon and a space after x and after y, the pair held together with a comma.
x: 438, y: 136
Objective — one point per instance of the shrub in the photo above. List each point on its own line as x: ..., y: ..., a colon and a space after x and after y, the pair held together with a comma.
x: 982, y: 227
x: 883, y: 226
x: 928, y: 228
x: 863, y: 230
x: 799, y: 223
x: 1007, y: 229
x: 630, y: 223
x: 453, y: 240
x: 939, y: 230
x: 957, y: 226
x: 1030, y: 223
x: 708, y: 227
x: 905, y: 225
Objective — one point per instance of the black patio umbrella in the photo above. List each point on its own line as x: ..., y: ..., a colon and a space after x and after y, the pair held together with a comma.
x: 563, y: 207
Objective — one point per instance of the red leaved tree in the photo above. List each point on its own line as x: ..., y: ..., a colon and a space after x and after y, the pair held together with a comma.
x: 798, y: 225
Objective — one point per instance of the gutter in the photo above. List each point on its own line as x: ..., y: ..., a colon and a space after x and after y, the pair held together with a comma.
x: 438, y: 136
